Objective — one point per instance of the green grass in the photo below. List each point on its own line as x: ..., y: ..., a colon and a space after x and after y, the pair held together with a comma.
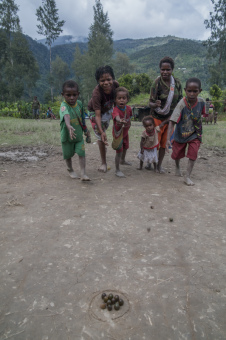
x: 215, y: 135
x: 140, y: 100
x: 29, y: 132
x: 24, y: 132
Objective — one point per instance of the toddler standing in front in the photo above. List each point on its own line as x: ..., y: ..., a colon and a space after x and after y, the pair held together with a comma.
x: 149, y: 143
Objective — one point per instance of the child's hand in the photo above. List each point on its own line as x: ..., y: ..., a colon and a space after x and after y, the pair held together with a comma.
x: 88, y: 137
x: 157, y: 128
x: 121, y: 122
x: 104, y: 138
x: 71, y: 132
x: 142, y: 151
x: 168, y: 144
x: 158, y: 103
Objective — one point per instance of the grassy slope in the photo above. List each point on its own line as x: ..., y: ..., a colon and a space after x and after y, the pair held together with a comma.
x: 21, y: 132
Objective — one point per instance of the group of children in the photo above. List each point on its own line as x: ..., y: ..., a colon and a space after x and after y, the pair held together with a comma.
x: 109, y: 101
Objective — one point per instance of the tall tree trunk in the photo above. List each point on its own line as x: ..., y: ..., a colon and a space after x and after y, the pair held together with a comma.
x: 50, y: 69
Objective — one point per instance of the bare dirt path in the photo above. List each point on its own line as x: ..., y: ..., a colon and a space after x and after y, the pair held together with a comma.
x: 63, y: 242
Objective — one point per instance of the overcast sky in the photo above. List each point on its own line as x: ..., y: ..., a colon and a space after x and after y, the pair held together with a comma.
x: 134, y: 19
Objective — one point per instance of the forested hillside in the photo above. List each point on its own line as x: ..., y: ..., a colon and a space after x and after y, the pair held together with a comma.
x: 189, y: 55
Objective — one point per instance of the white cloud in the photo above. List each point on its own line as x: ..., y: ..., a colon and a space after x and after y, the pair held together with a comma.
x: 128, y: 19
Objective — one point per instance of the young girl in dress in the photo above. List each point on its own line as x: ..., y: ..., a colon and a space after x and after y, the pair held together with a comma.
x: 121, y: 115
x: 149, y: 143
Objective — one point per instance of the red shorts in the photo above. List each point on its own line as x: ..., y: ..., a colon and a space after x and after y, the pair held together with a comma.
x: 179, y: 149
x: 125, y: 144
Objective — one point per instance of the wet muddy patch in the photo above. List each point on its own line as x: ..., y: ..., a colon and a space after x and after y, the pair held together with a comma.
x: 23, y: 154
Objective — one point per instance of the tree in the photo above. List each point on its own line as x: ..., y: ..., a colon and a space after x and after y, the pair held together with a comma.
x: 136, y: 83
x: 9, y: 19
x: 60, y: 72
x: 50, y: 25
x: 100, y: 51
x: 122, y: 64
x: 216, y: 93
x: 100, y: 34
x: 18, y: 67
x: 217, y: 41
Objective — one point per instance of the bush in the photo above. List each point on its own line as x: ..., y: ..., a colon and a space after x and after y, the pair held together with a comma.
x: 136, y: 83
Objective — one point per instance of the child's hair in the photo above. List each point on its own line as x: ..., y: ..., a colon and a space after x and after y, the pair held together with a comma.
x: 193, y: 80
x: 207, y: 100
x: 69, y: 83
x: 148, y: 119
x: 103, y: 70
x: 121, y: 89
x: 167, y: 60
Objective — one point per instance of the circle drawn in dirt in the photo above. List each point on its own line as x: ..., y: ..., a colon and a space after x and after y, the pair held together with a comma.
x: 103, y: 314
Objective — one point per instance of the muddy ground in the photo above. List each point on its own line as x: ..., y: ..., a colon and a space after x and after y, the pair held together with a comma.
x: 64, y: 242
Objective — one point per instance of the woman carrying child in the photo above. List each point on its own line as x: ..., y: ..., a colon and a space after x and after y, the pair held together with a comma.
x: 149, y: 143
x: 166, y: 92
x: 100, y: 108
x: 121, y: 123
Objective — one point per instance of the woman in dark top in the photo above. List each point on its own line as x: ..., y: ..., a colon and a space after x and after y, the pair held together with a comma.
x: 100, y: 108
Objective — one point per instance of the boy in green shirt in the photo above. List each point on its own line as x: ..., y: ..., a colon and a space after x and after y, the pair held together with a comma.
x: 72, y: 123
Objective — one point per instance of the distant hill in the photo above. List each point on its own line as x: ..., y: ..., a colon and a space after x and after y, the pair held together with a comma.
x: 189, y: 55
x: 65, y: 39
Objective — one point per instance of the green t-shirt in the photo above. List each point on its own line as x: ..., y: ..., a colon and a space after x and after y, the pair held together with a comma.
x: 74, y: 112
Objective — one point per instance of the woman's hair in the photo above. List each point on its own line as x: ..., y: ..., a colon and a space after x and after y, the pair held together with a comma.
x: 194, y: 80
x: 69, y: 83
x: 121, y: 89
x: 103, y: 70
x: 167, y: 60
x: 148, y: 119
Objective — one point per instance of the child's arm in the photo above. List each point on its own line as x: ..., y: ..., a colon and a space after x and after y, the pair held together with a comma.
x: 69, y: 127
x: 142, y: 144
x: 166, y: 121
x: 169, y: 134
x: 157, y: 103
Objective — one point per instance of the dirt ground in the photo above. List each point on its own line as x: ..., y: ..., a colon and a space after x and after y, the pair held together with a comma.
x: 64, y: 242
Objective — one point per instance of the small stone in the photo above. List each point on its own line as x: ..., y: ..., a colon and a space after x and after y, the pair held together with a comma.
x: 152, y: 206
x: 171, y: 219
x: 148, y: 230
x: 103, y: 306
x: 109, y: 307
x: 121, y: 302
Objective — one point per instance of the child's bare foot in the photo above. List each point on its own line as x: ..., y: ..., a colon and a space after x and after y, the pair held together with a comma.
x: 72, y: 174
x: 148, y: 167
x: 103, y: 168
x: 178, y: 172
x: 119, y: 174
x: 125, y: 163
x: 160, y: 170
x: 85, y: 178
x: 188, y: 181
